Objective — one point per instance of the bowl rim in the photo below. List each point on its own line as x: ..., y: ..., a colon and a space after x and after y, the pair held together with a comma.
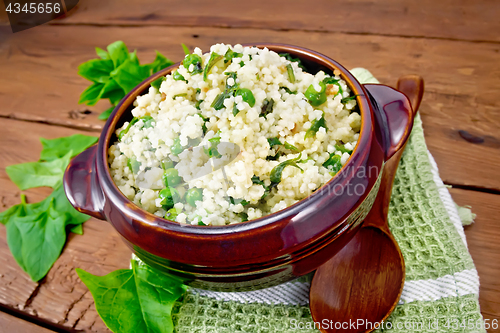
x: 113, y: 193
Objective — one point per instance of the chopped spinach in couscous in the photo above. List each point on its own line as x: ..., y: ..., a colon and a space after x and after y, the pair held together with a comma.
x: 233, y: 135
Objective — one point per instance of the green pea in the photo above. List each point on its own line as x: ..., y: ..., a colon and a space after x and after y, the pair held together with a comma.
x: 247, y: 96
x: 176, y: 148
x: 169, y: 196
x: 316, y: 98
x: 167, y: 164
x: 194, y: 194
x: 171, y: 177
x: 171, y: 214
x: 195, y: 60
x: 178, y: 77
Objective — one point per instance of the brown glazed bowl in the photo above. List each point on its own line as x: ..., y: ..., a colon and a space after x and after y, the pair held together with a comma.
x: 263, y: 252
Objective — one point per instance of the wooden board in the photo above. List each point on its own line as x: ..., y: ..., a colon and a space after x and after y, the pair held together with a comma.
x: 445, y: 19
x: 40, y: 80
x: 11, y: 324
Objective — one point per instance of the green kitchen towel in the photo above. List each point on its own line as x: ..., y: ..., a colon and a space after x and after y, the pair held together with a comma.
x: 441, y: 288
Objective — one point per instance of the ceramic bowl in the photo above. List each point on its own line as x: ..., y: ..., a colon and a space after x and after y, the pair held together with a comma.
x: 263, y: 252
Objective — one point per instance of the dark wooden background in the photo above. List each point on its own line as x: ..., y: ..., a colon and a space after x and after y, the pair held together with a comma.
x: 454, y: 45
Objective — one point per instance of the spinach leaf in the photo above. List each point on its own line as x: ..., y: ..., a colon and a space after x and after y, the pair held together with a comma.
x: 91, y: 95
x: 289, y: 91
x: 157, y: 83
x: 135, y: 300
x: 178, y: 77
x: 230, y: 54
x: 195, y: 60
x: 214, y: 58
x: 185, y: 49
x: 289, y: 146
x: 128, y: 75
x: 291, y: 75
x: 96, y: 70
x: 102, y: 53
x: 218, y: 102
x: 40, y: 239
x: 289, y: 57
x: 112, y: 91
x: 267, y: 107
x: 278, y: 170
x: 274, y: 142
x: 105, y: 114
x: 115, y: 74
x: 343, y: 149
x: 348, y: 98
x: 123, y: 132
x: 118, y: 52
x: 333, y: 164
x: 315, y: 126
x: 247, y: 96
x: 56, y: 148
x: 37, y: 174
x: 159, y: 63
x: 36, y: 232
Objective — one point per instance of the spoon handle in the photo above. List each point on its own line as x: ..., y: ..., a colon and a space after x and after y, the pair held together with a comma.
x: 413, y: 87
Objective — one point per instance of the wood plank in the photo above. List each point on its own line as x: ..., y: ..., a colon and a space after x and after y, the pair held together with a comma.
x: 40, y: 80
x: 61, y: 298
x: 9, y: 324
x: 449, y: 19
x: 483, y: 238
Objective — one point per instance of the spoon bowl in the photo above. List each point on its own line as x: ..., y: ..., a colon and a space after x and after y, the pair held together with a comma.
x: 361, y: 285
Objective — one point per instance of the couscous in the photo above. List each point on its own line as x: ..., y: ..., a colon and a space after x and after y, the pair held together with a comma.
x: 232, y: 135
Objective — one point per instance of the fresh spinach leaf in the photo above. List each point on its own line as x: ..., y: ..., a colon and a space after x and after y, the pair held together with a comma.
x: 91, y: 95
x: 274, y: 142
x: 118, y: 52
x: 277, y: 171
x: 291, y: 74
x: 289, y: 146
x: 105, y: 114
x: 102, y: 53
x: 230, y: 54
x: 159, y: 63
x: 37, y: 174
x: 56, y: 148
x: 96, y: 70
x: 214, y: 58
x: 135, y: 300
x: 343, y: 149
x: 315, y: 126
x: 333, y: 164
x: 267, y: 107
x: 289, y: 57
x: 157, y: 83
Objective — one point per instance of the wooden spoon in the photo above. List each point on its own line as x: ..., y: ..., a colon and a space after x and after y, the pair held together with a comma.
x: 361, y: 285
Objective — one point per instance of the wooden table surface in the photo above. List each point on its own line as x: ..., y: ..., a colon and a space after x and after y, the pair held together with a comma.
x: 453, y: 44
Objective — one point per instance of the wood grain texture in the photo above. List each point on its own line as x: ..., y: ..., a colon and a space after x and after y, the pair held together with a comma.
x: 40, y: 80
x: 483, y: 238
x: 61, y: 298
x: 11, y: 324
x: 447, y: 19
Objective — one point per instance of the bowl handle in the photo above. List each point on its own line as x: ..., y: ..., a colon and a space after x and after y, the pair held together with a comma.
x: 393, y: 116
x: 81, y: 184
